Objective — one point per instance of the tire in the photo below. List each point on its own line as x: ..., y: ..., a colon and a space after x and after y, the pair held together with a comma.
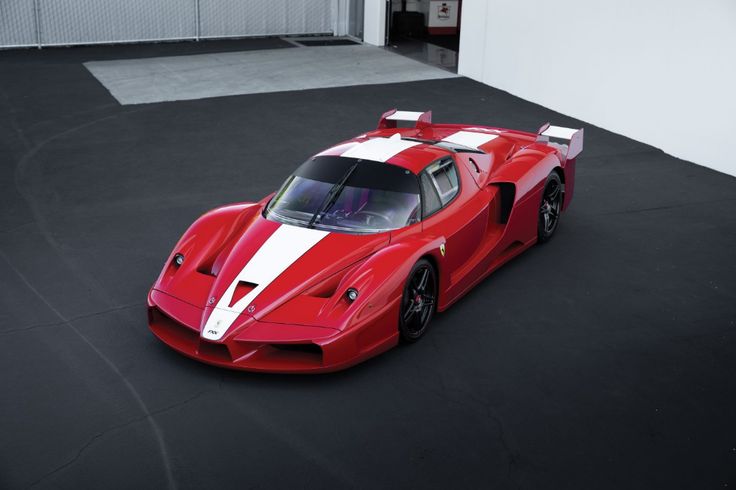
x: 550, y: 208
x: 418, y: 301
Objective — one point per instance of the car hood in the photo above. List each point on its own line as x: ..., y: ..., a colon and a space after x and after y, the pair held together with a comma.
x: 264, y: 266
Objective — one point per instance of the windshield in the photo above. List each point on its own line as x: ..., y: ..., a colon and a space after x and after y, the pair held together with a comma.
x: 347, y: 194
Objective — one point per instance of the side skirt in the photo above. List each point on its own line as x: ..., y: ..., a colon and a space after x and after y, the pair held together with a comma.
x: 508, y: 254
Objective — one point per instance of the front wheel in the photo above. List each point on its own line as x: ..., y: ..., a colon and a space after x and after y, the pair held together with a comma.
x: 418, y: 302
x: 550, y: 209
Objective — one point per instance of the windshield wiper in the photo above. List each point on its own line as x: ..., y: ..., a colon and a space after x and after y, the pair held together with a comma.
x: 331, y: 197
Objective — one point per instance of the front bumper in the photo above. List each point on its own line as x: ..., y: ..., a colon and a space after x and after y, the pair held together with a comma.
x: 263, y: 346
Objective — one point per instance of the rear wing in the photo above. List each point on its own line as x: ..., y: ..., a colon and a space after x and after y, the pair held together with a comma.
x: 573, y: 137
x: 390, y: 119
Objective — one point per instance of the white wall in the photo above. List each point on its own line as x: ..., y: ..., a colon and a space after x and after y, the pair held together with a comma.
x: 374, y: 19
x: 659, y: 71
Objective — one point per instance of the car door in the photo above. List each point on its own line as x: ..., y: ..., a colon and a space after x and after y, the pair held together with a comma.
x: 455, y: 208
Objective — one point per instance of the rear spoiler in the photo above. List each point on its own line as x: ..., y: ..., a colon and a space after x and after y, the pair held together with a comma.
x: 574, y: 137
x: 389, y: 119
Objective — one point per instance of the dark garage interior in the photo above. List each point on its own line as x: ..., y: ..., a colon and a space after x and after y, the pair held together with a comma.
x: 603, y: 359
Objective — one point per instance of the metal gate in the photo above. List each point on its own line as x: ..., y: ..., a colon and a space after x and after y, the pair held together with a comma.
x: 68, y: 22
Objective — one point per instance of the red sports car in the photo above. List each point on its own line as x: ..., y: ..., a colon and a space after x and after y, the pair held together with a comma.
x: 362, y: 244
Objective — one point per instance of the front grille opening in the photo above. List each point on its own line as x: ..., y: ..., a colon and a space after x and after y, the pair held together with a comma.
x: 310, y: 353
x: 218, y: 352
x: 161, y: 322
x: 307, y: 348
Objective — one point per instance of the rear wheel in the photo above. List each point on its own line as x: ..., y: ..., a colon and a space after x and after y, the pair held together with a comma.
x: 418, y: 302
x: 550, y: 209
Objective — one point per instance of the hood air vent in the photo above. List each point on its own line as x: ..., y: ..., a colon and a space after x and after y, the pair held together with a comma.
x: 241, y: 290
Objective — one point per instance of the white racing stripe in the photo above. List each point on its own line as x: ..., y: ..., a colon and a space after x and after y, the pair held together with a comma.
x: 278, y: 253
x: 379, y: 149
x: 470, y: 138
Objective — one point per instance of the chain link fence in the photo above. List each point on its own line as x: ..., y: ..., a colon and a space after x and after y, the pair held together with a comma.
x: 41, y: 23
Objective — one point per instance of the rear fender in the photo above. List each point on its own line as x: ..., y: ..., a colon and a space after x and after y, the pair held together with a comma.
x: 569, y: 143
x: 527, y: 172
x: 527, y: 169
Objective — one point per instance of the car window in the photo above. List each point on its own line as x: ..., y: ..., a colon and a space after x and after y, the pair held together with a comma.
x: 430, y: 200
x: 347, y: 195
x: 444, y: 178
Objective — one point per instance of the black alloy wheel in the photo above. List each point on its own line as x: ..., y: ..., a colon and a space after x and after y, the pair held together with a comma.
x: 418, y: 302
x: 550, y: 209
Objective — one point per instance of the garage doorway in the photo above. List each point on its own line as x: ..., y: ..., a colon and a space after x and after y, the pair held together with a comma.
x: 425, y: 30
x: 355, y: 18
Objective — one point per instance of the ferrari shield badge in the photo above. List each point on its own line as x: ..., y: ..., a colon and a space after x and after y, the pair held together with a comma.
x: 442, y: 249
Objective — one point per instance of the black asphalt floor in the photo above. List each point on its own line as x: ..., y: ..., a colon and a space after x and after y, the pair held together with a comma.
x: 604, y: 359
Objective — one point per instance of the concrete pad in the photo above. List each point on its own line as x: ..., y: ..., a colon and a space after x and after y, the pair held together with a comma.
x: 141, y: 81
x: 603, y: 359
